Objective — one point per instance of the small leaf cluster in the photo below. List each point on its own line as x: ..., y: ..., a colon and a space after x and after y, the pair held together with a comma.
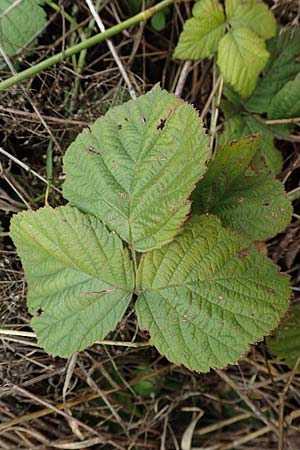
x: 276, y: 96
x: 137, y: 230
x: 237, y: 35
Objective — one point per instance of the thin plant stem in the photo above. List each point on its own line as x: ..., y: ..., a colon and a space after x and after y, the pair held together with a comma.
x: 32, y: 335
x: 49, y: 170
x: 112, y: 49
x: 182, y: 78
x: 67, y: 16
x: 100, y: 37
x: 282, y: 121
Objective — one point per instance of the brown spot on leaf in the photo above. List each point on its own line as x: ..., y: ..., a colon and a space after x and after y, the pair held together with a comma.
x: 39, y: 311
x: 90, y: 149
x: 261, y: 247
x: 162, y: 124
x: 243, y: 253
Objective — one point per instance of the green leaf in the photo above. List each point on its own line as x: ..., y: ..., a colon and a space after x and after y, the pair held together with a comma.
x: 241, y: 57
x: 286, y: 103
x: 209, y: 294
x: 252, y: 14
x: 79, y: 277
x: 135, y: 168
x: 202, y: 33
x: 149, y: 387
x: 283, y: 66
x: 253, y: 205
x: 20, y: 21
x: 238, y: 126
x: 158, y: 21
x: 285, y: 341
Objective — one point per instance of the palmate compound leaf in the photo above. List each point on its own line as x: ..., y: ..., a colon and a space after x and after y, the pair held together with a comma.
x: 241, y: 57
x: 201, y: 34
x: 20, y: 21
x: 135, y: 168
x: 285, y: 341
x: 209, y: 294
x: 79, y: 277
x: 253, y: 205
x: 252, y: 14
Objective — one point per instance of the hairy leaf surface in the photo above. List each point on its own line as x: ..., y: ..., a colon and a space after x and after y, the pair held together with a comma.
x: 79, y: 277
x: 285, y: 341
x: 252, y: 14
x: 241, y: 57
x: 286, y: 103
x: 20, y: 21
x: 209, y: 294
x: 238, y: 126
x: 201, y: 34
x: 283, y: 66
x: 135, y: 168
x: 254, y: 205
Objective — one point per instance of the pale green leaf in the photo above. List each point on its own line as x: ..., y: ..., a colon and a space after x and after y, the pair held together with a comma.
x: 20, y: 22
x: 135, y: 168
x: 241, y: 57
x: 238, y: 126
x: 286, y: 103
x: 283, y: 66
x: 79, y: 277
x: 253, y: 205
x: 209, y: 294
x: 202, y: 33
x: 285, y: 341
x: 252, y: 14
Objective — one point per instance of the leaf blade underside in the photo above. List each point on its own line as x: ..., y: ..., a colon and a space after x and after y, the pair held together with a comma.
x: 79, y: 277
x: 209, y: 294
x: 136, y: 167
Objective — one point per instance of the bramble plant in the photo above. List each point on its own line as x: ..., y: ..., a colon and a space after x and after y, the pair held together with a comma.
x: 131, y: 233
x: 237, y: 36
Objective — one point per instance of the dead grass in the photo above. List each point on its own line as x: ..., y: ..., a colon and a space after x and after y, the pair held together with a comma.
x: 111, y: 397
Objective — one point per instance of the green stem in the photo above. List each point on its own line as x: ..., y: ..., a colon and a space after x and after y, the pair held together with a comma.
x: 67, y: 16
x: 100, y: 37
x: 49, y: 170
